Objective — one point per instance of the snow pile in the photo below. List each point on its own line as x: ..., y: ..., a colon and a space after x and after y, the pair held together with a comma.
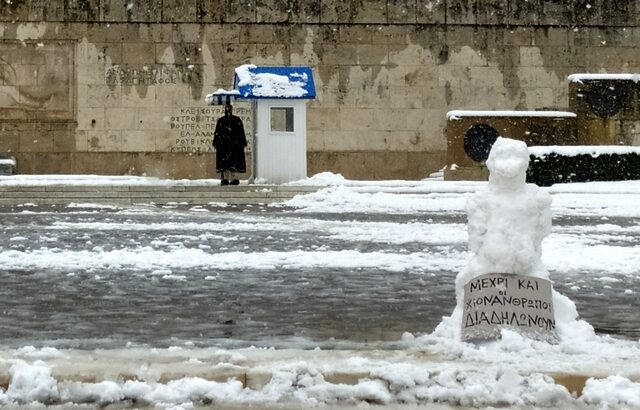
x: 303, y: 383
x: 574, y: 150
x: 32, y: 382
x: 507, y: 221
x: 271, y: 85
x: 458, y: 114
x: 323, y: 178
x: 344, y: 199
x: 614, y: 390
x: 578, y: 78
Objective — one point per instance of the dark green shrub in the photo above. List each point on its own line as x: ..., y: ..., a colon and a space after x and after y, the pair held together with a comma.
x: 554, y: 168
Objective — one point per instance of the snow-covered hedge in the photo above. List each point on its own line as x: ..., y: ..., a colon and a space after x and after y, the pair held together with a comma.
x: 560, y: 164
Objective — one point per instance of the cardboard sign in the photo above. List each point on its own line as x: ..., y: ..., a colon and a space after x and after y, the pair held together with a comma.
x: 506, y: 301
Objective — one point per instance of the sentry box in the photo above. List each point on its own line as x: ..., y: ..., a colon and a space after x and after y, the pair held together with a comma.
x: 278, y: 98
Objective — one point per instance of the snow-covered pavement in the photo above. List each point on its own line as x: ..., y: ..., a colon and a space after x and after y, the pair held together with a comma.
x: 362, y: 270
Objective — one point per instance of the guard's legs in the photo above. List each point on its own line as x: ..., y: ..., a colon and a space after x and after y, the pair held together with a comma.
x: 232, y: 178
x: 223, y: 180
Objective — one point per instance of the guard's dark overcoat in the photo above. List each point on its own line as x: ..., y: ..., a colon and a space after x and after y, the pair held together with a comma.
x: 229, y: 141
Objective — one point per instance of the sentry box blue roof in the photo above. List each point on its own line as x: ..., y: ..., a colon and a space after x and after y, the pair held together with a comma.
x: 274, y: 82
x: 253, y: 82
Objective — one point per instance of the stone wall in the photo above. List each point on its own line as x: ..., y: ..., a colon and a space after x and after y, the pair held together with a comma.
x: 115, y: 87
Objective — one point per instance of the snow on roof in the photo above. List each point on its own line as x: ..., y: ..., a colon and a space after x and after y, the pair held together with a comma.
x: 578, y: 78
x: 573, y: 150
x: 457, y: 114
x: 274, y: 82
x: 219, y: 94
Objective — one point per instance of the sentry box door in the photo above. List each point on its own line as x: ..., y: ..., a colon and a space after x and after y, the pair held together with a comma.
x: 281, y: 154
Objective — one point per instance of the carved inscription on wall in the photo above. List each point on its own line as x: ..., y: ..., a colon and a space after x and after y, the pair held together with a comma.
x: 496, y: 300
x: 194, y: 126
x: 153, y: 74
x: 37, y: 81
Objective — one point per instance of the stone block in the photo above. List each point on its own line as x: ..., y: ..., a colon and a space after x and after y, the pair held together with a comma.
x: 305, y: 11
x: 14, y: 11
x: 98, y: 96
x: 113, y: 33
x: 461, y: 12
x: 272, y: 54
x: 81, y: 141
x: 370, y: 11
x: 137, y: 141
x: 519, y: 36
x: 401, y: 11
x: 538, y: 98
x: 224, y: 33
x: 104, y: 141
x: 336, y: 11
x: 410, y: 55
x: 31, y: 141
x: 392, y: 34
x: 390, y: 165
x: 136, y: 97
x: 588, y: 12
x: 550, y: 36
x: 531, y: 57
x: 612, y: 37
x: 565, y: 56
x: 25, y: 75
x: 466, y: 56
x: 557, y: 12
x: 138, y: 53
x: 264, y: 33
x: 302, y: 55
x: 179, y: 11
x: 621, y: 13
x: 355, y: 34
x: 272, y: 11
x: 315, y: 140
x: 120, y: 119
x: 10, y: 141
x: 431, y: 12
x: 96, y: 53
x: 422, y: 164
x: 177, y: 96
x: 210, y: 11
x: 155, y: 33
x: 373, y: 140
x: 338, y: 55
x: 64, y: 141
x: 82, y: 10
x: 142, y: 11
x: 356, y: 119
x: 407, y: 97
x: 244, y: 13
x: 114, y: 10
x: 237, y: 54
x: 323, y: 119
x: 154, y: 119
x: 369, y: 54
x: 493, y: 12
x: 187, y: 33
x: 91, y: 118
x: 165, y: 141
x: 524, y: 13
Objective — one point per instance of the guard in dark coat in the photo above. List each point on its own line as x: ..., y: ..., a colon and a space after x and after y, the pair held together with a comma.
x: 229, y: 141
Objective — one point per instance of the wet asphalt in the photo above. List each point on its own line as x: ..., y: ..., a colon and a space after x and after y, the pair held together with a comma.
x: 284, y: 307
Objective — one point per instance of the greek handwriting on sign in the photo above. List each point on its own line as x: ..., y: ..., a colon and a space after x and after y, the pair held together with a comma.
x: 497, y: 300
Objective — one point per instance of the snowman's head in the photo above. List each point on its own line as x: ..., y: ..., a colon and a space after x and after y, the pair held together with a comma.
x: 508, y: 162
